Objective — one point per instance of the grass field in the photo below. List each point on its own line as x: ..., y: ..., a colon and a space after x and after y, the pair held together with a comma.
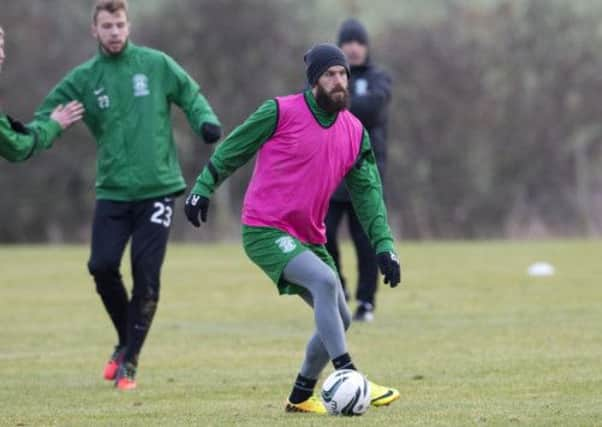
x: 468, y: 339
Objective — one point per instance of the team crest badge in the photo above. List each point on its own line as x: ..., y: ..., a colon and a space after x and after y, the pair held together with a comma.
x: 140, y: 82
x: 286, y: 244
x: 361, y: 87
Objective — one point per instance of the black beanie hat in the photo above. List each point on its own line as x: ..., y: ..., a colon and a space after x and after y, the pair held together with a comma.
x: 320, y: 58
x: 353, y: 30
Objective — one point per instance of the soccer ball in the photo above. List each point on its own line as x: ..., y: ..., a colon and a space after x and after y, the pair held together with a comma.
x: 346, y: 392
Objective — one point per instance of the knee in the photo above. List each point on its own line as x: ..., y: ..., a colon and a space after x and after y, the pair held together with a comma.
x: 146, y: 284
x: 330, y: 292
x: 329, y: 286
x: 145, y: 302
x: 99, y: 267
x: 106, y: 276
x: 146, y: 294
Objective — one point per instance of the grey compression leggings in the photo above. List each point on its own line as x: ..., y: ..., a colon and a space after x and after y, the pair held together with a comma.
x: 325, y: 294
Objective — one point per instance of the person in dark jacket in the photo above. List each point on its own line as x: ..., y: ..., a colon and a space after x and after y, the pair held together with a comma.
x: 370, y: 89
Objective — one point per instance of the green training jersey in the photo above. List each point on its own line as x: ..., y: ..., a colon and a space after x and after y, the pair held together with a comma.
x: 127, y: 100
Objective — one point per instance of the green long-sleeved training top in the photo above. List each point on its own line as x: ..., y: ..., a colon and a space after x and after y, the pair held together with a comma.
x: 363, y: 182
x: 127, y: 100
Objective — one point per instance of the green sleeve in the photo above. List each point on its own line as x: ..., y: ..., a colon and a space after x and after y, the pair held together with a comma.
x: 17, y: 146
x: 238, y: 148
x: 46, y: 132
x: 365, y: 187
x: 186, y: 94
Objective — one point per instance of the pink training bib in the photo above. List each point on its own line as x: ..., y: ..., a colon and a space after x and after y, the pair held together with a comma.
x: 298, y: 169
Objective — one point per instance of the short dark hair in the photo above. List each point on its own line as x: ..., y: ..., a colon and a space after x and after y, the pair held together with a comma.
x: 111, y: 6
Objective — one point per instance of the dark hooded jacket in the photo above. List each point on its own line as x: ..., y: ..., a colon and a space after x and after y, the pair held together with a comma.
x: 370, y: 90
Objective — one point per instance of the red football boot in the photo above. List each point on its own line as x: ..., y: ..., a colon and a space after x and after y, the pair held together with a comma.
x: 112, y: 365
x: 125, y: 379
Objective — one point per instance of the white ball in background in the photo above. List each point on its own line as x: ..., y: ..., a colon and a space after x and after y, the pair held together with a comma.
x: 541, y: 269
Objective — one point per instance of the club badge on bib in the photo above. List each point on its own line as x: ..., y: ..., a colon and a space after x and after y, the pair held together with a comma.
x: 286, y: 244
x: 140, y: 82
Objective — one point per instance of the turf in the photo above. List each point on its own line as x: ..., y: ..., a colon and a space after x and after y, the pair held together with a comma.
x: 469, y: 339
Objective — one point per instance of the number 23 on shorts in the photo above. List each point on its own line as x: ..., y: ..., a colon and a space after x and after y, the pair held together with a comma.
x: 162, y: 214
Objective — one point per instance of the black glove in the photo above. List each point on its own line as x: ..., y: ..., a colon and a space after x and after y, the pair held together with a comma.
x: 195, y: 205
x: 211, y: 133
x: 389, y: 267
x: 17, y: 126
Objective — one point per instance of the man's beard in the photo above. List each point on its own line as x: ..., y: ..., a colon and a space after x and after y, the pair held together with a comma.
x: 330, y: 105
x: 106, y: 48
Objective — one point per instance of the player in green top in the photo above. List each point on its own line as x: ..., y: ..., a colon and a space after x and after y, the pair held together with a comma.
x: 128, y: 91
x: 19, y: 142
x: 306, y: 144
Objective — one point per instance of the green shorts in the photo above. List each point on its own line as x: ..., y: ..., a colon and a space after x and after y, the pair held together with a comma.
x: 272, y: 250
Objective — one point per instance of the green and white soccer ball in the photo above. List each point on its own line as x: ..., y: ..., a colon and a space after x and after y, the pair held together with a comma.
x: 346, y: 392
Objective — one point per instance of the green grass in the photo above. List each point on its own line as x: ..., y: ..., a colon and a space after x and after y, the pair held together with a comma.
x: 468, y: 339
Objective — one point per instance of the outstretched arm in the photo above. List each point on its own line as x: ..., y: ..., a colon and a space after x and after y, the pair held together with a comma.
x: 19, y: 142
x: 236, y: 150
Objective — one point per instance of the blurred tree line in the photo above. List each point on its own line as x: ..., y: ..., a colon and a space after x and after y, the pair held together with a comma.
x: 494, y: 127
